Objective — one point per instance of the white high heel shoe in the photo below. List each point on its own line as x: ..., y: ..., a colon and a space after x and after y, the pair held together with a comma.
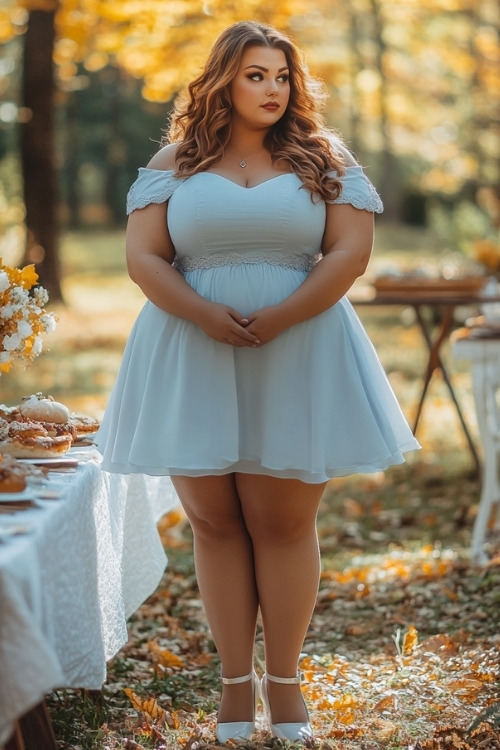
x: 239, y: 730
x: 302, y: 730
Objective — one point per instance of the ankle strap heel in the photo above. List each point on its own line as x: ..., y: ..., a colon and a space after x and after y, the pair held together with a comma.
x: 294, y: 731
x: 285, y: 680
x: 239, y: 730
x: 237, y: 680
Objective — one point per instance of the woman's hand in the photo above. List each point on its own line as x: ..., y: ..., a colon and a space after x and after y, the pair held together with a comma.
x: 266, y: 324
x: 226, y: 325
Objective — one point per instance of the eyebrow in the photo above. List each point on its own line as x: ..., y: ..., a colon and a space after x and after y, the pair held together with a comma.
x: 266, y: 70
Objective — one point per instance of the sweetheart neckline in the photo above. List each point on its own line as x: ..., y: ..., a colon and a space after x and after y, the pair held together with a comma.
x: 243, y: 187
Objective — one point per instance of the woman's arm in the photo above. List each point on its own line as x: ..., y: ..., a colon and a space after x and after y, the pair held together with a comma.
x: 150, y: 253
x: 346, y: 247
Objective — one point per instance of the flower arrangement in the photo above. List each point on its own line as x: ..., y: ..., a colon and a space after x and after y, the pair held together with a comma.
x: 487, y: 253
x: 23, y: 319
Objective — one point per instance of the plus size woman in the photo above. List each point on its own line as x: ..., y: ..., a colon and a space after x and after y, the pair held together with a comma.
x: 248, y: 378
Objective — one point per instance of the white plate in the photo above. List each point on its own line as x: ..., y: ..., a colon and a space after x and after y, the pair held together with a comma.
x: 51, y: 462
x: 9, y: 497
x: 15, y: 529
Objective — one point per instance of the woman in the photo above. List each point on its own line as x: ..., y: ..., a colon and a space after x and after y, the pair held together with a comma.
x: 248, y: 377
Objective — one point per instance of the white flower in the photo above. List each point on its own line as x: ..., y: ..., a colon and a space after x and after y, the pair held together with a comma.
x: 12, y: 342
x: 37, y: 346
x: 4, y: 282
x: 4, y: 358
x: 7, y: 311
x: 20, y: 296
x: 48, y: 322
x: 41, y: 296
x: 24, y: 329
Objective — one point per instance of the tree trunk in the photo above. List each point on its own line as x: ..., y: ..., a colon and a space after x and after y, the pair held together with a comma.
x: 37, y: 151
x: 390, y: 182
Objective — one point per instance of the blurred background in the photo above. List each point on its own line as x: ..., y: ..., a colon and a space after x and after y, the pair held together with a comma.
x: 86, y: 88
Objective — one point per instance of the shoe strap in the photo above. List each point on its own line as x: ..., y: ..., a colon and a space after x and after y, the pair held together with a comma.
x: 285, y: 680
x: 236, y: 680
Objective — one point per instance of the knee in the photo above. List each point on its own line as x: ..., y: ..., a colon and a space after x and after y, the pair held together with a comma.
x: 218, y: 526
x: 279, y: 529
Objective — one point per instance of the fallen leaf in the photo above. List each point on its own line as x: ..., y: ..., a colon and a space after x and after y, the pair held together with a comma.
x: 410, y: 641
x: 148, y: 706
x: 389, y: 701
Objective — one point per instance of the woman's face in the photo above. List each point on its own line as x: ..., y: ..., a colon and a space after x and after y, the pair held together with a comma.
x: 260, y: 90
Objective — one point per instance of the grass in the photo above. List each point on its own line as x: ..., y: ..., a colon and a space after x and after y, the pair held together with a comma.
x: 394, y: 551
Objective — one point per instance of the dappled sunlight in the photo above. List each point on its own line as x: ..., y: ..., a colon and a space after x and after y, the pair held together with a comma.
x: 402, y: 651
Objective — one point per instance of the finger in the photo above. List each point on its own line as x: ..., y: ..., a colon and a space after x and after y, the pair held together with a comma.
x: 245, y: 335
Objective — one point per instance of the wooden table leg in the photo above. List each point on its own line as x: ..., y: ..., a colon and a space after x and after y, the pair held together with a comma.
x: 36, y: 729
x: 16, y: 742
x: 436, y: 363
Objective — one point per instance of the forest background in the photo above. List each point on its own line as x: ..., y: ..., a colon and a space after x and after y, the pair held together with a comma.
x: 86, y: 87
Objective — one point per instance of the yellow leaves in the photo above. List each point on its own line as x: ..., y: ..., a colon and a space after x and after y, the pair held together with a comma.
x: 148, y: 706
x: 6, y: 26
x: 385, y: 703
x: 47, y: 5
x: 153, y: 711
x: 385, y: 730
x: 163, y: 657
x: 440, y: 644
x: 465, y: 688
x: 487, y: 252
x: 410, y: 641
x: 345, y: 708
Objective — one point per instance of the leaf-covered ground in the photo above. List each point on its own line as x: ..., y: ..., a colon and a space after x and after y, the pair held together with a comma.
x: 403, y: 649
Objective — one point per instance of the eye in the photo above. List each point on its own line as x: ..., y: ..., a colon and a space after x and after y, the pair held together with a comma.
x: 284, y: 77
x: 255, y: 77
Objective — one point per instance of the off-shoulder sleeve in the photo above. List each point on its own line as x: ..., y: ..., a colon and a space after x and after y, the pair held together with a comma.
x: 151, y: 186
x: 359, y: 191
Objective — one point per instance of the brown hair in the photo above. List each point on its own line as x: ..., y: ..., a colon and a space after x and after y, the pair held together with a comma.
x: 202, y: 120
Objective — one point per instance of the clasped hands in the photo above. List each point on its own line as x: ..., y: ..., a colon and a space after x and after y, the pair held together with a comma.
x: 226, y: 325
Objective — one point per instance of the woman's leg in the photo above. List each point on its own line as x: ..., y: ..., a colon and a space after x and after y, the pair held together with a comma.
x: 225, y: 573
x: 280, y: 516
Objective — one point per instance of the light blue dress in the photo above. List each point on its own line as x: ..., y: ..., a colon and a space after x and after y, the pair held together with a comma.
x: 312, y: 404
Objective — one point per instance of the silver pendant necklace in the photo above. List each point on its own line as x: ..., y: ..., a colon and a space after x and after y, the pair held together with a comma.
x: 243, y: 163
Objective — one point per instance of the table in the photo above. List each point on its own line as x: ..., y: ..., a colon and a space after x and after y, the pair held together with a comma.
x: 484, y: 354
x: 68, y: 586
x: 442, y: 306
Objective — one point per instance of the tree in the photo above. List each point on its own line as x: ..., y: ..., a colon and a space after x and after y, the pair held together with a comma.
x: 37, y: 149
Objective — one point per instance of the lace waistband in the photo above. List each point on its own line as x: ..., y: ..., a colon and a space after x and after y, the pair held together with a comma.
x: 295, y: 262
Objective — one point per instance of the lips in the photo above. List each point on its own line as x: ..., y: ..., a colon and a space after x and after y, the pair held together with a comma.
x: 271, y: 106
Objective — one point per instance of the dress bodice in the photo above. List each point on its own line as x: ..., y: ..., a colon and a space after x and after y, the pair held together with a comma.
x: 213, y: 220
x: 210, y: 214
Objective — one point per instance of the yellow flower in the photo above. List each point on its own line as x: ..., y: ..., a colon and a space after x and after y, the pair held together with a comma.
x: 29, y: 276
x: 23, y: 319
x: 487, y: 253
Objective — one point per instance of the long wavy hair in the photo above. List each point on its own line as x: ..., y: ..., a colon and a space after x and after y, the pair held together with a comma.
x: 201, y: 120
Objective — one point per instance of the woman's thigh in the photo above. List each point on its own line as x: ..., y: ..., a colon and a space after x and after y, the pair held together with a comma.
x: 278, y: 508
x: 211, y: 503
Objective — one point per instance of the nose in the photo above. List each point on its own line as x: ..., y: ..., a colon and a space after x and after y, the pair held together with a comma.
x: 272, y: 89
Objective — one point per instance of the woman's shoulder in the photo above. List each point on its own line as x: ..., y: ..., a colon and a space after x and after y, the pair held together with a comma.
x: 156, y: 182
x: 164, y: 159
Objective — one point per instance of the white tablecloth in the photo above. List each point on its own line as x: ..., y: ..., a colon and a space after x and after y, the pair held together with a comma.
x: 68, y: 586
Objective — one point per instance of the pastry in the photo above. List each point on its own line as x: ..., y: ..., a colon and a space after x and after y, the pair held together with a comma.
x: 44, y: 409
